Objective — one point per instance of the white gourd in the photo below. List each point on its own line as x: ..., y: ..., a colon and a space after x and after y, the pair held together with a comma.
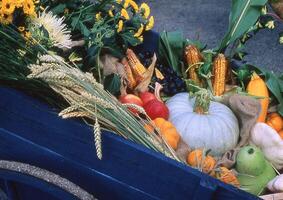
x: 217, y: 130
x: 269, y: 141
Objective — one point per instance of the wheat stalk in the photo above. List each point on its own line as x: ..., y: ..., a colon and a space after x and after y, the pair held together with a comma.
x: 87, y: 98
x: 97, y: 139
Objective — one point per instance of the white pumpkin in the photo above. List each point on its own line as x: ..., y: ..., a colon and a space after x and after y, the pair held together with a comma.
x: 217, y: 130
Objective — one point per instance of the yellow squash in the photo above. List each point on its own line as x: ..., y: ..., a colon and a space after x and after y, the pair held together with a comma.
x: 257, y: 87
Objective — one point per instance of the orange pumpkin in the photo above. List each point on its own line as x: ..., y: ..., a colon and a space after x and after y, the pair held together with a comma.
x: 257, y: 87
x: 168, y: 131
x: 198, y: 159
x: 275, y: 121
x: 227, y: 176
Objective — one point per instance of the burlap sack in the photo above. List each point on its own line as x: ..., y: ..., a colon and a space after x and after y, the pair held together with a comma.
x: 247, y: 111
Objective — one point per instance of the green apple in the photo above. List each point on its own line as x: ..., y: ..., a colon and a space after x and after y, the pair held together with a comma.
x: 250, y: 160
x: 254, y: 170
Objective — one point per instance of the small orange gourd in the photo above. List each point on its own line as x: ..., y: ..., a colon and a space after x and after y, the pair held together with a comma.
x: 198, y: 159
x: 257, y: 87
x: 281, y: 133
x: 227, y: 176
x: 168, y: 131
x: 275, y: 121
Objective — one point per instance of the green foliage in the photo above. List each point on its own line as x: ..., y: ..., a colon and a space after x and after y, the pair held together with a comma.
x: 171, y: 49
x: 112, y: 83
x: 15, y: 56
x: 243, y: 16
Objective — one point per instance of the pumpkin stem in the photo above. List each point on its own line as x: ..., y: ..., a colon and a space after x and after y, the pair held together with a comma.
x: 202, y: 102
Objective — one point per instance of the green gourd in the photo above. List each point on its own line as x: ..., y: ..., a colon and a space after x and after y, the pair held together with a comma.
x: 254, y: 170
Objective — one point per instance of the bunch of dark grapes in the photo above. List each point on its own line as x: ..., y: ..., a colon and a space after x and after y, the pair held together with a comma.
x: 172, y: 83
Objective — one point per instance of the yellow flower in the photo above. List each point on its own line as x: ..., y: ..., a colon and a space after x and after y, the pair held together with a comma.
x: 21, y: 28
x: 140, y: 38
x: 66, y: 11
x: 134, y: 5
x: 6, y: 19
x: 110, y: 13
x: 18, y: 3
x: 29, y: 8
x: 27, y: 35
x: 119, y: 1
x: 270, y: 24
x: 126, y: 3
x: 8, y: 7
x: 145, y: 9
x: 139, y: 32
x: 98, y: 16
x: 125, y: 14
x: 150, y: 24
x: 120, y: 26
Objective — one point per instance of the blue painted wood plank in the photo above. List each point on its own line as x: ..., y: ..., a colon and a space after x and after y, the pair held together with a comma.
x: 66, y: 148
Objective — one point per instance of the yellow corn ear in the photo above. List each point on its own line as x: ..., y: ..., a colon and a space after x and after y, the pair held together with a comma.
x: 130, y: 77
x: 137, y: 68
x: 220, y: 68
x: 193, y: 56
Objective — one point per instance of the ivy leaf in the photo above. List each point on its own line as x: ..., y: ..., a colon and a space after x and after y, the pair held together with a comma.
x: 112, y: 83
x: 244, y: 14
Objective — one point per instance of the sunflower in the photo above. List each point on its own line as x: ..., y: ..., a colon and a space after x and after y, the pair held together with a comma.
x: 8, y: 7
x: 145, y: 9
x: 120, y: 26
x: 150, y: 24
x: 126, y: 4
x: 139, y: 32
x: 29, y: 8
x: 6, y: 19
x: 134, y: 5
x: 18, y: 3
x: 125, y: 14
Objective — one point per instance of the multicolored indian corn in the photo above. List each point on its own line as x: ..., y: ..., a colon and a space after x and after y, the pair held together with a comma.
x: 220, y: 69
x: 137, y: 68
x: 130, y: 77
x: 193, y: 57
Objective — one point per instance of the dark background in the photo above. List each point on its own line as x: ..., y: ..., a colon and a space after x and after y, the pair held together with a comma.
x: 207, y: 20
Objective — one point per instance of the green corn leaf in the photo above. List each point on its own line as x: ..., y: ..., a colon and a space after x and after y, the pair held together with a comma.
x: 244, y: 14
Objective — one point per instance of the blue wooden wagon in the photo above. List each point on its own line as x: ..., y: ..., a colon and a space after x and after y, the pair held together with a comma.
x: 45, y: 157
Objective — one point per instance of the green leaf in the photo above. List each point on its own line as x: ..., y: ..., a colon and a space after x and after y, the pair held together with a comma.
x: 244, y: 14
x: 196, y: 43
x: 112, y: 83
x: 171, y: 47
x: 58, y: 9
x: 129, y: 38
x: 84, y: 29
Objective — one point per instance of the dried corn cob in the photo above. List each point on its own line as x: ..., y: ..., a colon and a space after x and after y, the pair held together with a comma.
x: 193, y: 57
x: 137, y: 68
x: 130, y: 77
x: 220, y: 68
